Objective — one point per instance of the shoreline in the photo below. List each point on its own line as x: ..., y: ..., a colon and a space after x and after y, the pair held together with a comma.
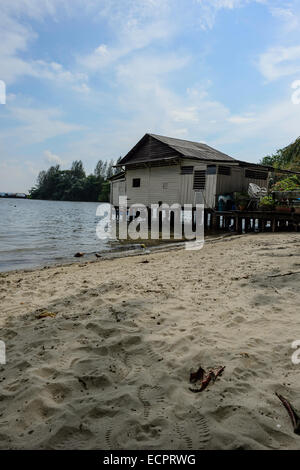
x: 99, y: 353
x: 121, y: 253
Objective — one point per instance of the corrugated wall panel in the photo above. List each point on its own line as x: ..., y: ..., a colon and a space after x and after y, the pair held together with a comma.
x: 210, y: 192
x: 186, y: 189
x: 117, y: 188
x: 231, y: 183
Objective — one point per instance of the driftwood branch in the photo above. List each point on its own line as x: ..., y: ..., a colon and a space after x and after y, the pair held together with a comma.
x: 285, y: 274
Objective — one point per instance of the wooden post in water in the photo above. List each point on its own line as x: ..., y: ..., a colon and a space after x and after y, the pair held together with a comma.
x: 205, y: 219
x: 213, y: 221
x: 149, y: 216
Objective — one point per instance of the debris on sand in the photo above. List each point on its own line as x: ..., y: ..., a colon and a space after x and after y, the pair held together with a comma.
x: 44, y: 314
x: 195, y: 376
x: 204, y: 377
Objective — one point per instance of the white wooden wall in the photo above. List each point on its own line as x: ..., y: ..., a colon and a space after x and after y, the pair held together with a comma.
x: 179, y: 190
x: 166, y: 184
x: 117, y: 188
x: 157, y: 184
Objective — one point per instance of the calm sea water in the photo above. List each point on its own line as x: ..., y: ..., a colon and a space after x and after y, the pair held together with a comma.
x: 37, y: 233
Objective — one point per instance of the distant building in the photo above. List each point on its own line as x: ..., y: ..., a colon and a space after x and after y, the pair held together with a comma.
x: 14, y: 195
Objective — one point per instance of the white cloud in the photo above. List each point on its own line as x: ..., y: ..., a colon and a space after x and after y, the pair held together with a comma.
x: 56, y: 72
x: 279, y: 61
x: 16, y: 38
x: 130, y: 37
x: 189, y: 113
x: 17, y: 175
x: 288, y: 16
x: 35, y: 126
x: 241, y: 119
x: 52, y: 158
x: 141, y: 91
x: 210, y: 9
x: 272, y: 127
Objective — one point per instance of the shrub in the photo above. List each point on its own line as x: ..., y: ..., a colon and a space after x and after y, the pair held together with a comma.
x: 267, y: 202
x: 291, y: 183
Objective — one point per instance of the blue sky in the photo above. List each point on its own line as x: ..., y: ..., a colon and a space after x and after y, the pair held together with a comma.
x: 86, y: 79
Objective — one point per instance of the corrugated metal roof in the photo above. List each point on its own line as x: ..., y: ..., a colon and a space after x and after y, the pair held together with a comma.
x: 193, y: 149
x: 117, y: 176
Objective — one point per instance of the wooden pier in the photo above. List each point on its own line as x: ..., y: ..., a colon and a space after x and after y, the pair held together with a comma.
x: 235, y: 221
x: 251, y: 221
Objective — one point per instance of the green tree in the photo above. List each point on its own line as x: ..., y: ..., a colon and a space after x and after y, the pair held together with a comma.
x: 104, y: 195
x: 77, y: 169
x: 287, y: 158
x: 110, y: 169
x: 73, y: 184
x: 101, y: 169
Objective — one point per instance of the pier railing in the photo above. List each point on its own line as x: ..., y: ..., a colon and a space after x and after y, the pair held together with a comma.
x: 251, y: 221
x: 236, y: 220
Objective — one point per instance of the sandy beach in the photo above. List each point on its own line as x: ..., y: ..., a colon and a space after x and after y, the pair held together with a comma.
x: 99, y: 354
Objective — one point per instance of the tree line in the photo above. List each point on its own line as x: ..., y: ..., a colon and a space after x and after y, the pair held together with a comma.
x: 74, y: 185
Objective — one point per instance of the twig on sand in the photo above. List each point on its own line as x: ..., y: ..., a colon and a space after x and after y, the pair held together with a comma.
x: 292, y: 413
x: 285, y: 274
x: 80, y: 380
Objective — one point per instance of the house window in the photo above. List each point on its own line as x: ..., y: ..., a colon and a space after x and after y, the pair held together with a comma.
x: 165, y: 186
x: 211, y: 170
x: 224, y: 170
x: 187, y: 170
x: 136, y: 182
x: 256, y: 175
x: 199, y: 180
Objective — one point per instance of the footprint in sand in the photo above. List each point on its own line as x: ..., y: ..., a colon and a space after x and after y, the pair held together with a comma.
x: 8, y: 334
x: 44, y: 373
x: 141, y: 360
x: 184, y: 433
x: 58, y: 392
x: 113, y: 368
x: 151, y: 396
x: 111, y: 440
x: 134, y: 435
x: 69, y: 437
x: 191, y: 431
